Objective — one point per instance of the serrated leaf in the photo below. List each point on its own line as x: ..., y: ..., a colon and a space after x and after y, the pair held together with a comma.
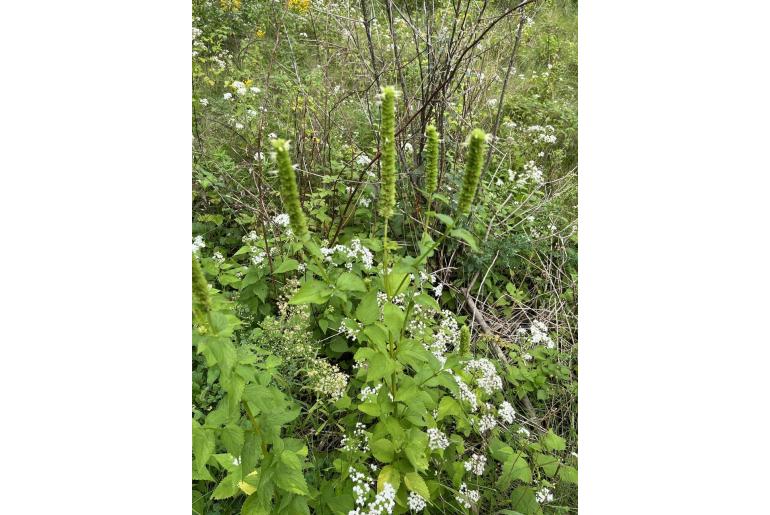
x: 388, y: 474
x: 312, y: 292
x: 228, y: 487
x: 233, y: 438
x: 286, y: 266
x: 553, y: 442
x: 415, y: 483
x: 466, y: 236
x: 382, y: 449
x: 368, y: 311
x: 350, y: 282
x: 426, y: 300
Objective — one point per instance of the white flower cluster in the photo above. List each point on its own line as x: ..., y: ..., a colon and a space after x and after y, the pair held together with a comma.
x: 359, y: 441
x: 367, y: 392
x: 486, y: 375
x: 361, y: 486
x: 476, y: 464
x: 416, y: 502
x: 437, y: 439
x: 351, y: 333
x: 506, y: 412
x: 445, y: 338
x: 539, y: 332
x: 356, y: 250
x: 487, y: 423
x: 281, y: 220
x: 544, y: 134
x: 198, y: 244
x: 327, y: 380
x: 543, y: 495
x: 438, y: 289
x: 466, y: 394
x: 523, y: 431
x: 466, y: 497
x: 383, y: 502
x: 363, y: 160
x: 218, y: 257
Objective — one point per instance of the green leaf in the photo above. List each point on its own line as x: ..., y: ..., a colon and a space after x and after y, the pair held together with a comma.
x: 312, y: 292
x: 415, y: 483
x: 448, y: 406
x: 286, y: 266
x: 393, y: 318
x: 289, y: 476
x: 379, y: 366
x: 514, y: 468
x: 256, y: 504
x: 388, y: 474
x: 383, y: 450
x: 370, y: 409
x: 553, y: 442
x: 523, y: 500
x: 228, y: 487
x: 466, y: 237
x: 203, y: 444
x: 568, y: 474
x: 549, y: 464
x: 415, y: 449
x: 426, y: 300
x: 232, y: 438
x: 446, y: 220
x: 368, y: 310
x: 350, y: 282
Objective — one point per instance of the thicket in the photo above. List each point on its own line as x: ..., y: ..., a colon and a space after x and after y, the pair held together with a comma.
x: 384, y: 257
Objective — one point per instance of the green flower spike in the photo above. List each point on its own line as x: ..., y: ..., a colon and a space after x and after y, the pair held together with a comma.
x: 465, y: 341
x: 388, y: 173
x: 474, y: 161
x: 288, y: 187
x: 431, y: 160
x: 200, y: 289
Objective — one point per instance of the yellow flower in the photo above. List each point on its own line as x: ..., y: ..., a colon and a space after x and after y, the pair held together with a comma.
x: 260, y: 33
x: 299, y: 6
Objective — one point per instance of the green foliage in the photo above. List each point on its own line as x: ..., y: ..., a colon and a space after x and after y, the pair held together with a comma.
x: 332, y: 341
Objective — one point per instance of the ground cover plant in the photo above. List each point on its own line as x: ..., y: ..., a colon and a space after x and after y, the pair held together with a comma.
x: 384, y: 268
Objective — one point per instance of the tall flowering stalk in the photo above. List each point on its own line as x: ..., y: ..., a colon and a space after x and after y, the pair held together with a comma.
x: 288, y: 187
x: 465, y: 341
x: 388, y: 165
x: 431, y: 168
x: 200, y: 292
x: 431, y: 160
x: 474, y: 162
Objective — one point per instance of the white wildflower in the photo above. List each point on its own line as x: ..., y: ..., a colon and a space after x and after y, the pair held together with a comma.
x: 506, y: 412
x: 476, y: 464
x: 437, y: 439
x: 466, y: 497
x: 543, y: 495
x: 485, y: 374
x: 416, y: 502
x: 282, y: 219
x: 198, y: 244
